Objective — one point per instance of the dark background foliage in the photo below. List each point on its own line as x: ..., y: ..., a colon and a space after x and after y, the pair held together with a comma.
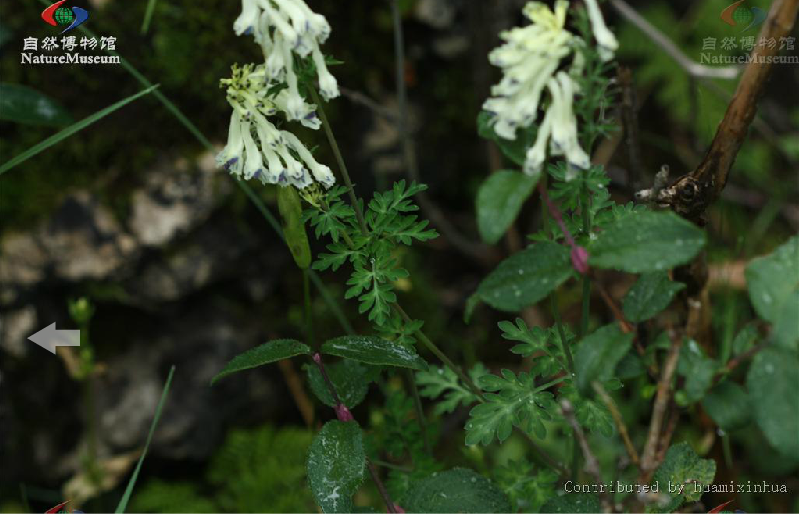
x: 183, y: 270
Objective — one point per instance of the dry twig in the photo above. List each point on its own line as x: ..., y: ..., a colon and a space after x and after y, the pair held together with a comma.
x: 692, y: 68
x: 648, y: 462
x: 592, y: 466
x: 621, y: 427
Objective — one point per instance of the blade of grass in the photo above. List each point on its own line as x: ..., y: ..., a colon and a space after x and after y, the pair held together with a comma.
x: 123, y: 503
x: 72, y: 129
x: 148, y: 16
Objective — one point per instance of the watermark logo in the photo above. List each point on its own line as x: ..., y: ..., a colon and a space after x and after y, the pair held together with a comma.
x: 56, y: 15
x: 737, y: 14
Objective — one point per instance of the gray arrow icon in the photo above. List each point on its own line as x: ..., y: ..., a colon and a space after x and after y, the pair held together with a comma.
x: 49, y: 338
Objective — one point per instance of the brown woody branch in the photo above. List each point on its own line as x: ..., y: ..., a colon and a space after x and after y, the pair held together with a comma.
x: 693, y: 193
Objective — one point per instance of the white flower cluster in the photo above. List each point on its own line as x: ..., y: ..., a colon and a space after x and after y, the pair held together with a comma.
x: 256, y: 148
x: 288, y: 162
x: 284, y: 27
x: 531, y: 58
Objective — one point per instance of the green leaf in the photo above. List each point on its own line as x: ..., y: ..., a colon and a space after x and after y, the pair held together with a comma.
x: 772, y: 387
x: 22, y: 104
x: 728, y: 405
x: 294, y: 232
x: 593, y: 415
x: 697, y: 368
x: 444, y: 382
x: 630, y: 366
x: 574, y: 502
x: 518, y: 402
x: 336, y: 464
x: 148, y: 16
x: 350, y: 379
x: 126, y: 496
x: 536, y: 340
x: 649, y: 295
x: 499, y: 201
x: 745, y: 338
x: 374, y: 350
x: 682, y: 466
x: 526, y: 277
x: 263, y: 354
x: 772, y: 282
x: 598, y: 354
x: 455, y: 490
x: 643, y: 241
x: 72, y: 129
x: 527, y: 490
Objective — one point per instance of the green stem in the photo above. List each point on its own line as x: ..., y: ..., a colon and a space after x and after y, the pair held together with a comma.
x: 308, y: 314
x: 550, y: 384
x: 564, y: 343
x: 587, y: 285
x: 442, y: 357
x: 389, y: 465
x: 423, y: 425
x: 339, y: 160
x: 726, y: 450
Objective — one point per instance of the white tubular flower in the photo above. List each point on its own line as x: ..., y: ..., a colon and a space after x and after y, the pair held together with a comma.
x: 530, y: 58
x: 606, y: 42
x: 248, y: 19
x: 281, y: 28
x: 321, y: 173
x: 231, y: 156
x: 258, y: 149
x: 564, y: 139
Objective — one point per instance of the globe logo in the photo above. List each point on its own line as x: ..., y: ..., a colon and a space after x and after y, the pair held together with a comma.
x: 738, y: 14
x: 56, y: 15
x: 64, y: 16
x: 742, y: 15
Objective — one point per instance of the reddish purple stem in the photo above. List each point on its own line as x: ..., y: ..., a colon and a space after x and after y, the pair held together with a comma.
x: 578, y: 254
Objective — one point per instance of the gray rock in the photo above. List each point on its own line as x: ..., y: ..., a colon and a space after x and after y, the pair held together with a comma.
x: 15, y: 327
x: 199, y: 344
x: 175, y: 199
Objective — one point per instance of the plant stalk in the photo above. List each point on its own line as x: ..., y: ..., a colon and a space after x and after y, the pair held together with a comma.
x: 423, y: 425
x: 442, y: 357
x: 339, y: 159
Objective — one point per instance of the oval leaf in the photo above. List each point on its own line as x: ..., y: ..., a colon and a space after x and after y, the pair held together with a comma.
x: 682, y: 466
x: 728, y: 405
x: 350, y: 379
x: 336, y: 465
x: 526, y: 277
x: 22, y: 104
x: 644, y: 241
x: 456, y: 490
x: 772, y: 387
x: 499, y: 200
x: 598, y: 354
x: 772, y: 282
x: 649, y: 295
x: 263, y: 354
x: 294, y: 232
x: 374, y: 350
